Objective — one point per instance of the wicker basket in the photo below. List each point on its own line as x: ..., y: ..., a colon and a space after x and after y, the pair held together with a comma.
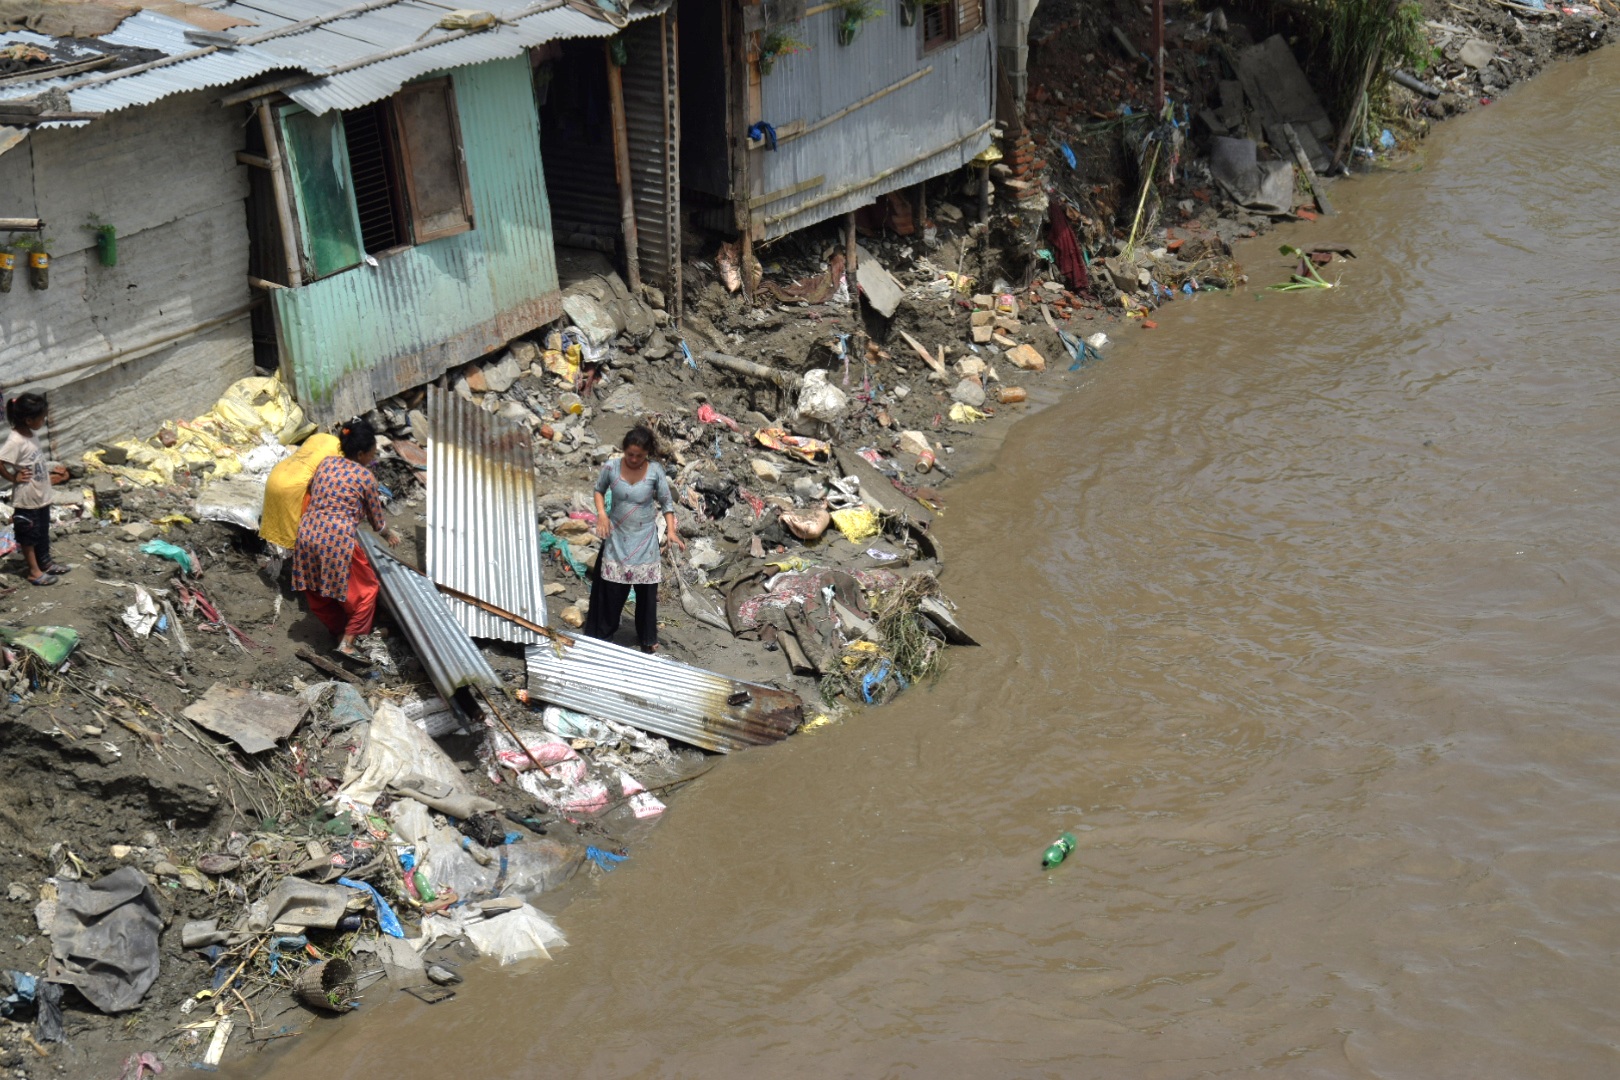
x: 327, y: 986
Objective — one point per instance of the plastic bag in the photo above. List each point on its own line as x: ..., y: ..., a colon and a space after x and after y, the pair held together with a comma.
x: 819, y: 399
x: 396, y: 749
x: 166, y: 550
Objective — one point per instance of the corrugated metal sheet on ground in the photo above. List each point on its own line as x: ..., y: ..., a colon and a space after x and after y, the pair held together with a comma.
x: 341, y: 43
x: 483, y: 534
x: 661, y: 695
x: 452, y: 661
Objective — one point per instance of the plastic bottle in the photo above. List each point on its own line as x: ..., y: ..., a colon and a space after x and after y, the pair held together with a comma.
x: 1058, y: 851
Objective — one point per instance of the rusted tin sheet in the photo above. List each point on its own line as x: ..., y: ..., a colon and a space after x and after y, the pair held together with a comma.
x: 253, y: 719
x: 483, y: 534
x: 452, y: 661
x: 661, y: 695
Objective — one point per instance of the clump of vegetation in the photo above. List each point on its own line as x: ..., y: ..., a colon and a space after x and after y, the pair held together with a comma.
x: 1363, y: 40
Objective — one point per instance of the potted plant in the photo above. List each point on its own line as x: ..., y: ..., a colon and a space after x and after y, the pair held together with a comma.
x: 778, y: 43
x: 8, y: 265
x: 853, y: 14
x: 39, y: 261
x: 106, y: 241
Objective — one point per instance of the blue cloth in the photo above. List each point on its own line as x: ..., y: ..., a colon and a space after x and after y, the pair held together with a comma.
x: 386, y: 919
x: 607, y: 860
x: 762, y: 130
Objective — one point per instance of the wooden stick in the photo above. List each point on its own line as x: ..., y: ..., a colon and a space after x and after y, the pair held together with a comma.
x: 278, y: 191
x: 621, y: 168
x: 327, y: 666
x: 1305, y: 169
x: 928, y: 357
x: 468, y: 598
x: 520, y: 743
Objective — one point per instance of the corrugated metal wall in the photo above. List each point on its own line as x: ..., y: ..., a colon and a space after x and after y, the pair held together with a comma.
x: 653, y: 118
x: 923, y: 129
x: 372, y: 331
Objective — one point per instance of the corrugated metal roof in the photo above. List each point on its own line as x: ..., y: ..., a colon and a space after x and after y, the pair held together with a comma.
x: 452, y: 661
x: 661, y: 695
x: 483, y: 533
x: 344, y: 52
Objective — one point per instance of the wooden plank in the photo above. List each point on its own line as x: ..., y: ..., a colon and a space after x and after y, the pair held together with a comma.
x: 928, y: 357
x: 783, y: 193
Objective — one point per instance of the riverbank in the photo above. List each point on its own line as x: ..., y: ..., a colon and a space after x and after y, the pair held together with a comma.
x: 187, y: 797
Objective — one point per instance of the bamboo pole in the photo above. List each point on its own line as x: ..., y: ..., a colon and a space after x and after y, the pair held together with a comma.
x: 621, y: 168
x: 278, y: 185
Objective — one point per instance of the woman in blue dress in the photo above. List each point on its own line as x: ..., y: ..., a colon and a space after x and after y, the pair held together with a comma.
x: 629, y: 532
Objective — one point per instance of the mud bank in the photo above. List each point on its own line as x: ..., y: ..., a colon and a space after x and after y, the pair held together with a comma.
x: 104, y: 771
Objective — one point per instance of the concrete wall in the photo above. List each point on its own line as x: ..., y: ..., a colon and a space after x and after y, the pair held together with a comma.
x: 1012, y: 45
x: 166, y: 177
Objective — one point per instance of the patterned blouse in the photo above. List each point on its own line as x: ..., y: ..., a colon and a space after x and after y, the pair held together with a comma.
x: 340, y: 493
x: 630, y: 555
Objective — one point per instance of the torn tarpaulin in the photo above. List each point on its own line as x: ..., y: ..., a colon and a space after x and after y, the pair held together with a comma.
x: 105, y: 939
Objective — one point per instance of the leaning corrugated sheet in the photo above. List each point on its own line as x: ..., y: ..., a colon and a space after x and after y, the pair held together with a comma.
x: 452, y: 661
x: 661, y: 695
x: 483, y: 535
x: 343, y: 53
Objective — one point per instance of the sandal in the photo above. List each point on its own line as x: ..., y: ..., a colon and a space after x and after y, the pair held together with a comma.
x: 650, y: 650
x: 45, y: 578
x: 59, y: 568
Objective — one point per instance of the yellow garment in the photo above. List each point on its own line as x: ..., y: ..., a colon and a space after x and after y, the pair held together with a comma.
x: 284, y: 491
x: 857, y: 524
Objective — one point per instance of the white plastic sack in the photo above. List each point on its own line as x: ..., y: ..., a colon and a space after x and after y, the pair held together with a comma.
x: 819, y: 399
x: 394, y: 748
x: 521, y: 934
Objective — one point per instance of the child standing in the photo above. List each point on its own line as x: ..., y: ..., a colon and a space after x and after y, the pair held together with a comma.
x: 22, y: 461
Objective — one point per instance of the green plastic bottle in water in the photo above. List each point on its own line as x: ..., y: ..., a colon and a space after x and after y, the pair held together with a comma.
x: 1058, y: 851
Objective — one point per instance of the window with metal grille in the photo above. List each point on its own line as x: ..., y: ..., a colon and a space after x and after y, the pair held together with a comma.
x: 376, y: 179
x: 946, y: 21
x: 371, y: 180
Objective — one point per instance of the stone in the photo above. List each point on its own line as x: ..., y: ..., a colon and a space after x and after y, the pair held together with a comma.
x: 625, y: 400
x: 915, y: 442
x: 982, y: 318
x: 461, y: 388
x: 476, y: 382
x: 948, y: 211
x: 97, y: 551
x: 136, y: 532
x: 1004, y: 341
x: 808, y: 488
x: 516, y: 413
x: 653, y: 296
x: 592, y: 318
x: 573, y: 616
x: 766, y: 470
x: 981, y: 334
x: 410, y: 453
x: 525, y: 352
x: 554, y: 588
x: 1476, y: 53
x: 113, y: 455
x: 969, y: 366
x: 419, y: 426
x: 1027, y: 358
x: 969, y: 392
x: 1008, y: 325
x: 500, y: 375
x: 657, y: 347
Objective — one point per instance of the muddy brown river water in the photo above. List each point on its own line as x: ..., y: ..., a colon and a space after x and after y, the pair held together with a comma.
x: 1302, y: 612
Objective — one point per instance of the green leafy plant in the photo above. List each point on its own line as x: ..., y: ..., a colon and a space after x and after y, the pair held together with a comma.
x: 1305, y: 277
x: 778, y: 43
x: 853, y: 15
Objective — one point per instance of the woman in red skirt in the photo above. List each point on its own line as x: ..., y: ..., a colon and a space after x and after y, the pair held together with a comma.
x: 329, y: 566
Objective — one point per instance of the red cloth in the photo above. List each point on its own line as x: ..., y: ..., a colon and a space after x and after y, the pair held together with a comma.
x: 354, y: 614
x: 1065, y: 250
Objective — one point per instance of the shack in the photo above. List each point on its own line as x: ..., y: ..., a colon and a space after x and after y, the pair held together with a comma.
x: 795, y: 113
x: 351, y: 193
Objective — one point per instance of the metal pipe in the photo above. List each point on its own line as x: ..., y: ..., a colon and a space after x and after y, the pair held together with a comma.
x: 1414, y: 84
x: 621, y: 167
x: 278, y: 187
